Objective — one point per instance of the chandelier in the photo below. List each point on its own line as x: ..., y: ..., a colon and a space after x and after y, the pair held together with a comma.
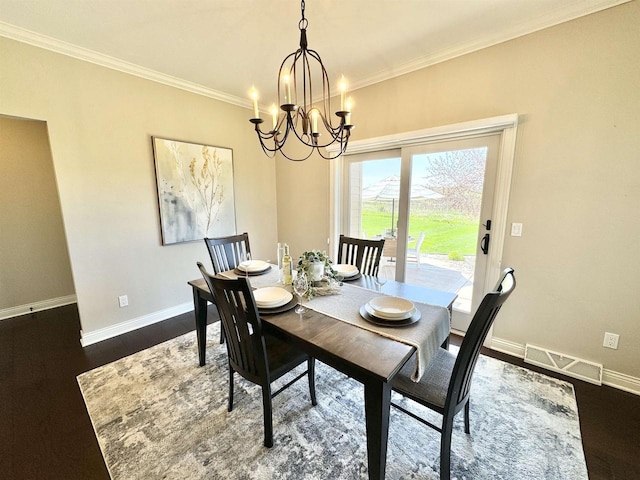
x: 299, y: 116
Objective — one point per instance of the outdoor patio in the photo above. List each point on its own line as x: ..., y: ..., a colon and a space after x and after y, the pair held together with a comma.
x: 439, y: 273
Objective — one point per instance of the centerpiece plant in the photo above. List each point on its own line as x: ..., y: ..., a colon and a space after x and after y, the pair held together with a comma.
x: 323, y: 279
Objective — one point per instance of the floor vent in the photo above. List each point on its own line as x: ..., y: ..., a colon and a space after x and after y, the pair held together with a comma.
x: 559, y: 362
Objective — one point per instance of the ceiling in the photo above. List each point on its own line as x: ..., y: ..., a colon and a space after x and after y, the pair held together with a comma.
x: 221, y: 48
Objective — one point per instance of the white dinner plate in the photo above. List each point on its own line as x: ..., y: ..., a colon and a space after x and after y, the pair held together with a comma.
x: 271, y: 297
x: 345, y: 270
x: 373, y: 313
x: 389, y: 307
x: 253, y: 266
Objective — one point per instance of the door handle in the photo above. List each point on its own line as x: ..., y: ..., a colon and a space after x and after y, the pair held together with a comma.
x: 484, y: 243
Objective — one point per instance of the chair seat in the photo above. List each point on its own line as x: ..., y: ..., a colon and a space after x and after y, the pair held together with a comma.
x: 432, y: 387
x: 282, y: 356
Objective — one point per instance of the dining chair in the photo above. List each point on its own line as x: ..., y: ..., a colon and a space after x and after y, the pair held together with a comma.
x: 364, y: 254
x: 415, y: 251
x: 445, y: 385
x: 255, y: 355
x: 227, y: 252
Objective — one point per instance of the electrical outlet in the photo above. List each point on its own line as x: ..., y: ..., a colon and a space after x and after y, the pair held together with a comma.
x: 611, y: 340
x: 123, y: 301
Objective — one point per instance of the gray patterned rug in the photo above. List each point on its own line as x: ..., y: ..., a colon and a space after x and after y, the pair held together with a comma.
x: 158, y: 415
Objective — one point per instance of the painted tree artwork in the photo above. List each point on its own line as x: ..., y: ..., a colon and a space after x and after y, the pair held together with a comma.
x: 195, y: 190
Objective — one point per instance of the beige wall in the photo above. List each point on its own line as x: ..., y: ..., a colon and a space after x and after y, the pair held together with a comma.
x: 303, y: 204
x: 576, y: 184
x: 34, y: 263
x: 100, y: 126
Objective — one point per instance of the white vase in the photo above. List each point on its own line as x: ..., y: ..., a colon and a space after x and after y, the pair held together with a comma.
x: 316, y: 271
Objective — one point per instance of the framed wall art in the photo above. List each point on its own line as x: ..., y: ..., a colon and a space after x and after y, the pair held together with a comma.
x: 195, y: 190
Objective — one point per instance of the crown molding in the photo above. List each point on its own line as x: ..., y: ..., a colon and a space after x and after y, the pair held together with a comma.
x: 550, y: 20
x: 48, y: 43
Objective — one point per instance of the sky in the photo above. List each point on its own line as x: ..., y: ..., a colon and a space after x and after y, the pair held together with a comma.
x: 375, y: 170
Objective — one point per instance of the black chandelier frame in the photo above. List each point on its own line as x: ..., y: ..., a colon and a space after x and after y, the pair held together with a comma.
x: 297, y: 118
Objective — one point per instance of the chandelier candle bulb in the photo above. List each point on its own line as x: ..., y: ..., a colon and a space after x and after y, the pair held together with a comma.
x: 343, y: 92
x: 349, y: 104
x: 314, y: 121
x: 254, y: 97
x: 287, y: 90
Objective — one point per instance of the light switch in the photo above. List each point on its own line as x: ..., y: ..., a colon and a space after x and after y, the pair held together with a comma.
x: 516, y: 229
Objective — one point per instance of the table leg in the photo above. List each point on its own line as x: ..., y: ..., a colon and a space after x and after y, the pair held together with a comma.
x: 377, y: 401
x: 200, y: 309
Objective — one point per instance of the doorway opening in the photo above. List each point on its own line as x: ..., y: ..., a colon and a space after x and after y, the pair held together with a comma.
x: 36, y: 269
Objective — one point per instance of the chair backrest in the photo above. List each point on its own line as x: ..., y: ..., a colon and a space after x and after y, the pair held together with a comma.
x: 242, y: 326
x: 227, y: 252
x: 362, y: 253
x: 419, y: 242
x: 460, y: 382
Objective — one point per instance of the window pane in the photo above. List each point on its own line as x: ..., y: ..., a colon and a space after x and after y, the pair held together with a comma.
x: 444, y: 218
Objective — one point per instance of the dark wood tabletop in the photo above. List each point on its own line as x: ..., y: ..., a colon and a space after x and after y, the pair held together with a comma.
x: 415, y: 293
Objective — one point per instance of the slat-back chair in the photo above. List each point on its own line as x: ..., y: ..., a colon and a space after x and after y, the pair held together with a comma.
x: 445, y: 385
x: 227, y: 252
x: 364, y: 254
x: 256, y: 356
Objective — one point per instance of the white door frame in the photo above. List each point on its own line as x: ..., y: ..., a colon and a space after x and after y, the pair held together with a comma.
x: 506, y: 125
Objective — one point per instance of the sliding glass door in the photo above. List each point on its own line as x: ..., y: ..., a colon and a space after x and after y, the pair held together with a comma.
x: 432, y: 204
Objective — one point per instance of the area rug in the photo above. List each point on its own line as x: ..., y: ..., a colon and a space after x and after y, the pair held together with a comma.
x: 157, y: 414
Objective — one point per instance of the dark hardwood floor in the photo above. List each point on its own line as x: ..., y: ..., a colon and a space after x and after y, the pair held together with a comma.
x: 45, y: 432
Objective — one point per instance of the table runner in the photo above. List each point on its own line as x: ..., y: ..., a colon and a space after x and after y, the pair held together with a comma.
x: 426, y: 335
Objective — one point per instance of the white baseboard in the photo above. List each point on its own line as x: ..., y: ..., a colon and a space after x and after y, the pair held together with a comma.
x: 89, y: 338
x: 611, y: 378
x: 37, y: 306
x: 621, y: 381
x: 505, y: 346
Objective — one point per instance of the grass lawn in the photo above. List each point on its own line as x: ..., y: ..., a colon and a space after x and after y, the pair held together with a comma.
x: 445, y: 233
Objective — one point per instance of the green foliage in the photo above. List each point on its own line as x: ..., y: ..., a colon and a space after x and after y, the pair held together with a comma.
x: 445, y: 232
x: 329, y: 277
x: 456, y: 257
x: 314, y: 256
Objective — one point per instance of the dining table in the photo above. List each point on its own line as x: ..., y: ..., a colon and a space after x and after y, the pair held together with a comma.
x: 335, y: 334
